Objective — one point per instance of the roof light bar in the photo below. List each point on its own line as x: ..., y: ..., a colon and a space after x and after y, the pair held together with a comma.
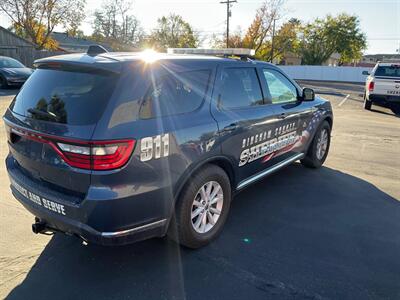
x: 241, y: 52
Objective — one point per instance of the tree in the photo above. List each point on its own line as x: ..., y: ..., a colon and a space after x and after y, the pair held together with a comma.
x: 235, y: 40
x: 315, y: 48
x: 173, y: 32
x: 113, y: 24
x: 286, y: 40
x: 36, y: 19
x: 345, y: 35
x: 262, y: 25
x: 340, y: 34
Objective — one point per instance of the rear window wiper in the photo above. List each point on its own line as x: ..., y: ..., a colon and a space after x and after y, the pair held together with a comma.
x: 45, y: 114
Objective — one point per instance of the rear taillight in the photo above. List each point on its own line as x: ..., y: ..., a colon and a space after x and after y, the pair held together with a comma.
x: 104, y: 155
x: 371, y: 86
x: 90, y: 155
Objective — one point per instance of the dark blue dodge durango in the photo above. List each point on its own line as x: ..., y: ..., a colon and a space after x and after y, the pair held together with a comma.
x: 119, y: 147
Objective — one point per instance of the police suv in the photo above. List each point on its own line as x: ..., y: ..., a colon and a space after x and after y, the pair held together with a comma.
x: 382, y: 86
x: 119, y: 147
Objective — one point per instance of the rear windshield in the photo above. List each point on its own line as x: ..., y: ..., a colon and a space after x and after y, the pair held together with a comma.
x: 388, y: 71
x: 65, y: 96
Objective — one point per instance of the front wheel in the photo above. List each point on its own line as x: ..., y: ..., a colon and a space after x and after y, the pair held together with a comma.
x: 202, y: 208
x: 319, y: 147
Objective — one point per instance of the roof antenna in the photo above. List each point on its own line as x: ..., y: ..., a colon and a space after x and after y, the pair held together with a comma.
x: 94, y: 50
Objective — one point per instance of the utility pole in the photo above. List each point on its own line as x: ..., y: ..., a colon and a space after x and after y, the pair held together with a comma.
x: 272, y: 42
x: 228, y: 15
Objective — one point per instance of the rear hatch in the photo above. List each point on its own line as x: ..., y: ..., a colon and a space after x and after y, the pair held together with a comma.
x: 387, y: 80
x: 51, y: 121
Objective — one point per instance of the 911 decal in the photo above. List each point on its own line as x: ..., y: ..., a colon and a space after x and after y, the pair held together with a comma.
x: 154, y: 147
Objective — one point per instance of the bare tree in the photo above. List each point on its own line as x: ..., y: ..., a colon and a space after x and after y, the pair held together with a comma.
x: 115, y: 25
x: 262, y: 24
x: 36, y: 19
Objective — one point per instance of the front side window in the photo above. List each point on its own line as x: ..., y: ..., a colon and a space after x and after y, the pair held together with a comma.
x: 281, y: 90
x: 240, y: 87
x: 175, y: 93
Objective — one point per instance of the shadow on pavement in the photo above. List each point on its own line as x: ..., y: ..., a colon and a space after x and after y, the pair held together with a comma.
x: 298, y: 234
x: 9, y: 92
x: 386, y: 113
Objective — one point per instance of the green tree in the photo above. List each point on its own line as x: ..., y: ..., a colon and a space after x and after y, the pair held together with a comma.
x: 341, y: 34
x: 173, y: 32
x: 36, y: 19
x: 345, y: 36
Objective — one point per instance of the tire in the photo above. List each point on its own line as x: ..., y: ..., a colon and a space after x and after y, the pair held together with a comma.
x: 3, y: 82
x: 313, y: 158
x: 367, y: 103
x: 396, y: 109
x: 182, y: 227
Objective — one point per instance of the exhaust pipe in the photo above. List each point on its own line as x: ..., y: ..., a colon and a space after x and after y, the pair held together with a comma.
x: 39, y: 227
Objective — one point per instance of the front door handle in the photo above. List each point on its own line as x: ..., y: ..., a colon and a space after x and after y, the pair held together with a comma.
x: 231, y: 127
x: 282, y: 116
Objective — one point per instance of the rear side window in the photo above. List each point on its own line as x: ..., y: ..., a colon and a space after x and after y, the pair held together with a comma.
x: 175, y: 93
x: 239, y: 88
x: 388, y: 71
x: 68, y: 97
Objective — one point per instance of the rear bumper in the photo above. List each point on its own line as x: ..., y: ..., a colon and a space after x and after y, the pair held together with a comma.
x: 384, y: 100
x: 95, y: 221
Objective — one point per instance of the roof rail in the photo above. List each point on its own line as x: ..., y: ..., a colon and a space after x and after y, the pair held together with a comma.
x: 96, y: 49
x: 243, y: 53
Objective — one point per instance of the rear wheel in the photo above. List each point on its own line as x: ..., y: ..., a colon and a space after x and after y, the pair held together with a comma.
x: 319, y: 147
x: 367, y: 103
x: 202, y: 208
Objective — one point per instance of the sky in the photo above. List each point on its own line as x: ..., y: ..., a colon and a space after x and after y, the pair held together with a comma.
x: 379, y: 19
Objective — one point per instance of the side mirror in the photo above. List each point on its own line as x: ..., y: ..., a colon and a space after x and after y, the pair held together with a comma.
x: 365, y: 73
x: 308, y: 94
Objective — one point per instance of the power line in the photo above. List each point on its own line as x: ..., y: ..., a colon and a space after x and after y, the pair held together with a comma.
x: 228, y: 15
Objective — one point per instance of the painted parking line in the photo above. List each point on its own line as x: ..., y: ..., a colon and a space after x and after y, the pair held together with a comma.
x: 344, y: 100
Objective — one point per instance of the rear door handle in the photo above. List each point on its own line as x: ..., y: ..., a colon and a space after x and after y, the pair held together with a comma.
x: 282, y: 116
x: 231, y: 127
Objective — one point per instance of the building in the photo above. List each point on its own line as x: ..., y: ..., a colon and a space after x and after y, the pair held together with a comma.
x: 16, y: 47
x: 292, y: 59
x: 72, y: 44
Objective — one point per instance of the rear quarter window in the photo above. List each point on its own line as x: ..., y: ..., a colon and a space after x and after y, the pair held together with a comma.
x: 175, y: 93
x: 64, y: 96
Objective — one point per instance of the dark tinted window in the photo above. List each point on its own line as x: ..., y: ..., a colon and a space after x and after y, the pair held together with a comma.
x: 389, y: 71
x: 239, y: 88
x: 175, y: 93
x: 61, y: 96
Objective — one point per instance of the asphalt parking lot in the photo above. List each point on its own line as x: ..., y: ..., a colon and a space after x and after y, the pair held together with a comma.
x: 332, y: 233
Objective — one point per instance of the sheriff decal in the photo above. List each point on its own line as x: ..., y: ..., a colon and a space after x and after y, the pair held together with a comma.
x: 262, y: 145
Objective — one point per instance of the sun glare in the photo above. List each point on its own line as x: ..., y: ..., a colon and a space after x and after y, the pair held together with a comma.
x: 149, y: 55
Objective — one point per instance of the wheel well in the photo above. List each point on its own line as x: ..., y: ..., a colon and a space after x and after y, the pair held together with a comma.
x: 227, y: 167
x: 223, y: 163
x: 329, y: 120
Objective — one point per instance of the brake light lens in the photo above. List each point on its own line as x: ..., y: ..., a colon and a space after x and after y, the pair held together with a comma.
x: 104, y: 155
x: 89, y: 155
x: 371, y: 86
